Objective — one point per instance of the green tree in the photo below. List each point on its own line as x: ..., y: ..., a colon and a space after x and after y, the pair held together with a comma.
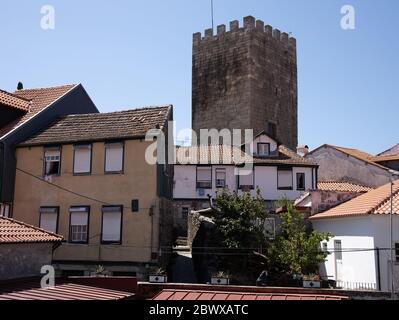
x: 239, y: 221
x: 297, y: 249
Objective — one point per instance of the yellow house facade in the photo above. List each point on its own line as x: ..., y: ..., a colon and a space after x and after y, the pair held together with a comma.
x: 86, y: 178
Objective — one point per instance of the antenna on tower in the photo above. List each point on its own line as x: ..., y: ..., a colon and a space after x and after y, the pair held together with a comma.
x: 212, y: 12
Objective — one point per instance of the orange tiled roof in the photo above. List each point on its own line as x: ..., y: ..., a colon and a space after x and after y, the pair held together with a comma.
x: 385, y: 158
x: 12, y: 101
x: 342, y: 186
x: 219, y: 154
x: 373, y: 202
x: 12, y: 231
x: 40, y: 99
x: 189, y: 295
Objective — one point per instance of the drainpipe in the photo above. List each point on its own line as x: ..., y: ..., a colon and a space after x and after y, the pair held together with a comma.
x: 378, y: 269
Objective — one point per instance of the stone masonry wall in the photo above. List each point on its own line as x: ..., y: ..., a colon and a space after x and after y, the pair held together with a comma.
x: 23, y: 260
x: 245, y: 78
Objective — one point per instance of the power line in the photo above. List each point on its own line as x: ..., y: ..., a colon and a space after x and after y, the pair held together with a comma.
x: 71, y: 191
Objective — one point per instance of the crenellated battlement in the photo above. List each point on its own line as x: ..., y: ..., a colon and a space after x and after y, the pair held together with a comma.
x: 249, y: 24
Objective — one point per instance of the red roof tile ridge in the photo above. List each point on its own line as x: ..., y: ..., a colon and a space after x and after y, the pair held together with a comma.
x: 32, y: 227
x: 15, y: 96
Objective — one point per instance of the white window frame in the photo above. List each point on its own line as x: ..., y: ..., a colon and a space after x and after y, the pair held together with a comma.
x: 86, y: 167
x: 262, y: 154
x: 51, y: 155
x: 79, y: 229
x: 107, y: 165
x: 304, y: 181
x: 246, y: 186
x: 112, y: 210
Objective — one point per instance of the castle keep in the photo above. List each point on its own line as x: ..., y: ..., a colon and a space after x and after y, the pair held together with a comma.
x: 246, y: 78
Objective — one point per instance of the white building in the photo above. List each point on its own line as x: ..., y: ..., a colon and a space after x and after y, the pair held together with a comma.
x: 201, y: 171
x: 360, y: 254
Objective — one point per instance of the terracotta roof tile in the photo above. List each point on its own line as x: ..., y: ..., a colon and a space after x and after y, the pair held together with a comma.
x: 220, y: 154
x: 237, y: 296
x: 40, y: 99
x: 341, y: 186
x: 12, y: 231
x: 385, y: 158
x: 101, y: 126
x: 12, y: 101
x: 373, y: 202
x: 391, y: 151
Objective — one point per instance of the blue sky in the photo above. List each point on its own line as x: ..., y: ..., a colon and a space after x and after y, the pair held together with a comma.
x: 129, y: 54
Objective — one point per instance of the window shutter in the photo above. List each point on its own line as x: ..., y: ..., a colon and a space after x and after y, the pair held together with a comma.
x: 204, y: 174
x: 82, y: 161
x: 113, y: 157
x: 112, y: 219
x: 79, y: 216
x: 246, y: 179
x: 285, y: 178
x: 48, y: 219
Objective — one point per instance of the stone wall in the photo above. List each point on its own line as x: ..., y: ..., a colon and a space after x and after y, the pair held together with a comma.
x: 23, y: 260
x: 245, y: 78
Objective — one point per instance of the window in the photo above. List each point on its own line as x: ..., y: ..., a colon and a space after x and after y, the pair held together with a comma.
x: 82, y: 159
x: 111, y: 224
x: 5, y: 210
x: 300, y: 181
x: 338, y: 249
x: 184, y: 212
x: 204, y: 177
x: 284, y: 178
x: 397, y: 251
x: 114, y: 157
x: 79, y: 224
x: 324, y: 247
x: 52, y: 161
x: 246, y: 179
x: 264, y: 149
x: 49, y: 219
x: 220, y: 178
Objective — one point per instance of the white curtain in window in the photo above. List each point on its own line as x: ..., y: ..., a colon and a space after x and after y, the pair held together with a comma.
x: 204, y: 174
x: 48, y: 221
x: 285, y: 179
x: 82, y: 159
x: 114, y: 157
x: 112, y: 226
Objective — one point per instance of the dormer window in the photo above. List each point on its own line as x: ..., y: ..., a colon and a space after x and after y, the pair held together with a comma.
x: 263, y: 149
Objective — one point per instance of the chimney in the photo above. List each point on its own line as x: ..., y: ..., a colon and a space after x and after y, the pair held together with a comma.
x: 302, y: 150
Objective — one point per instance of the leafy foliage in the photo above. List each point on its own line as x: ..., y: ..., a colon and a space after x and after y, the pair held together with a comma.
x: 297, y: 249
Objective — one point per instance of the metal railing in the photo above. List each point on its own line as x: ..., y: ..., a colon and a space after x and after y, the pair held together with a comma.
x: 356, y: 286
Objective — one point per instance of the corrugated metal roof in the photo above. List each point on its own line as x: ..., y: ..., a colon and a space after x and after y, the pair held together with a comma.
x: 238, y: 296
x: 31, y: 290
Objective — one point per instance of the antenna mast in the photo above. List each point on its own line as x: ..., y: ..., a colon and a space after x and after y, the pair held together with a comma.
x: 212, y: 13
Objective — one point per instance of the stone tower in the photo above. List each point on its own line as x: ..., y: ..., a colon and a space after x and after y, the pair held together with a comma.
x: 246, y: 78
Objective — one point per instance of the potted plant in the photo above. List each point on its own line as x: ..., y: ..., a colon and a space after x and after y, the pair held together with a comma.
x: 100, y: 271
x: 159, y: 276
x: 311, y: 281
x: 220, y: 278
